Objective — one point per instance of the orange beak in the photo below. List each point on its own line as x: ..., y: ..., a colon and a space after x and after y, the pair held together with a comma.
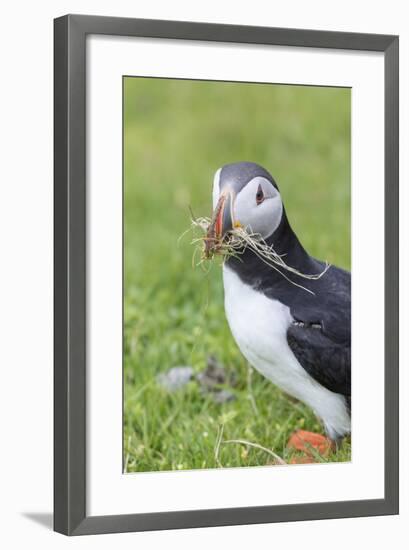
x: 221, y: 223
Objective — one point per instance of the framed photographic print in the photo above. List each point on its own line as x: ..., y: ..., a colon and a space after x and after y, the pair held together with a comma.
x: 226, y: 275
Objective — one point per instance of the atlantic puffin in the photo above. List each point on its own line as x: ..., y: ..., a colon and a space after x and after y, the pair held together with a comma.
x: 297, y: 335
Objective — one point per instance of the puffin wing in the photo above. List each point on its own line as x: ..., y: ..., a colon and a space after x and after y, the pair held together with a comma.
x: 320, y: 335
x: 326, y: 360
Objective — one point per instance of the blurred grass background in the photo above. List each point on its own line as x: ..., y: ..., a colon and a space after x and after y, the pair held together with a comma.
x: 176, y: 134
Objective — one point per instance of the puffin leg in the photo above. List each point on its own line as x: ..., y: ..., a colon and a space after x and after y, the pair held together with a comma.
x: 310, y: 443
x: 336, y: 443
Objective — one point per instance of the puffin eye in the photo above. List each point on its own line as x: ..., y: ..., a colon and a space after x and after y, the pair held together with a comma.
x: 259, y: 195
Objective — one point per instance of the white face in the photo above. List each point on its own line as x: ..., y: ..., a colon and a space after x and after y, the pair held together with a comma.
x: 257, y: 207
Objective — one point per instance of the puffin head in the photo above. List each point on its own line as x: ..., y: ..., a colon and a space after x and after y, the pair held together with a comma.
x: 244, y: 195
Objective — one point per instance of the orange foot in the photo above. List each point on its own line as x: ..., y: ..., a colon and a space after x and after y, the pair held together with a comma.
x: 307, y: 442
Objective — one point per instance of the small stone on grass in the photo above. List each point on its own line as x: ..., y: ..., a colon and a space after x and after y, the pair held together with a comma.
x: 175, y: 378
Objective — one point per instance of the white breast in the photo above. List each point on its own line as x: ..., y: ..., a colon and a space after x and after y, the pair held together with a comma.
x: 259, y: 326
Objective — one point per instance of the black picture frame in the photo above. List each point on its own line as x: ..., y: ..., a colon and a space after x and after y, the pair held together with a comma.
x: 70, y: 34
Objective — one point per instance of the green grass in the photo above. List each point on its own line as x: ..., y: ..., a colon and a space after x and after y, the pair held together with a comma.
x: 176, y: 134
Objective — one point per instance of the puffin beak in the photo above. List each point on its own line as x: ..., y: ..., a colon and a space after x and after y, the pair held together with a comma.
x: 222, y: 222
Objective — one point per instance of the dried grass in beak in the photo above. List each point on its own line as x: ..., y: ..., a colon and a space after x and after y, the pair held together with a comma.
x: 236, y: 243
